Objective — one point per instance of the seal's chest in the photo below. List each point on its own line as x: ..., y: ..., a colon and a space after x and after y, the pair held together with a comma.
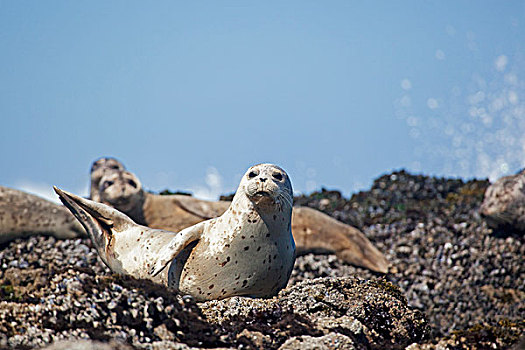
x: 253, y: 260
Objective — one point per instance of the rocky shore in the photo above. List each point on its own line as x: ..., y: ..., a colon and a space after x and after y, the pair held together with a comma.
x: 454, y: 284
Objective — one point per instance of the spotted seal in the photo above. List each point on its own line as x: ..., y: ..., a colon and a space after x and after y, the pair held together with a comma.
x: 23, y: 214
x: 249, y: 250
x: 503, y: 204
x: 313, y: 230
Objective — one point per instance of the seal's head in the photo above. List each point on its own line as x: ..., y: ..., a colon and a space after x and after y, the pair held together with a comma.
x: 99, y: 168
x: 122, y: 190
x: 267, y: 185
x: 104, y: 165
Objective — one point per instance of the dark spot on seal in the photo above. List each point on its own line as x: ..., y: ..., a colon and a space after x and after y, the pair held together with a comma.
x: 267, y: 235
x: 274, y: 216
x: 244, y: 283
x: 211, y: 286
x: 258, y: 248
x: 224, y: 263
x: 246, y: 248
x: 242, y: 237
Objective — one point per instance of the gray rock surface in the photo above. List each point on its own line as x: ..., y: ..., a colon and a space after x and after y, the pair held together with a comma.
x: 465, y: 278
x: 369, y: 313
x: 87, y: 345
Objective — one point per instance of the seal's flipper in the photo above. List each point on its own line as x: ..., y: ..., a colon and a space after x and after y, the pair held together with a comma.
x: 98, y: 219
x: 363, y: 253
x: 124, y: 246
x: 176, y: 245
x: 316, y: 231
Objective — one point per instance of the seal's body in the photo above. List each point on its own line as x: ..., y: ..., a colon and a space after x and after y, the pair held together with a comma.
x: 249, y: 250
x: 23, y: 214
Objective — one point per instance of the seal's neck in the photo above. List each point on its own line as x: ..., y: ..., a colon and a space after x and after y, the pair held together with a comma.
x: 271, y: 214
x: 136, y: 211
x: 94, y: 192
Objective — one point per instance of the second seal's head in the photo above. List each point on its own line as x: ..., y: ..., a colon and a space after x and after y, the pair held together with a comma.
x: 121, y: 190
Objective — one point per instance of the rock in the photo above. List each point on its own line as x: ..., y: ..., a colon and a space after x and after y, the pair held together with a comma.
x: 87, y: 345
x: 445, y: 258
x: 373, y: 314
x: 326, y: 342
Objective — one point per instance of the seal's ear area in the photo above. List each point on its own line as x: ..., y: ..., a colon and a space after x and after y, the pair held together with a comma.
x: 97, y: 218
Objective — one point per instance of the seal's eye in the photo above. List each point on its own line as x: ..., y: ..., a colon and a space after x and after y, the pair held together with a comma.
x: 132, y: 183
x: 278, y: 176
x: 114, y: 167
x: 106, y: 184
x: 252, y: 174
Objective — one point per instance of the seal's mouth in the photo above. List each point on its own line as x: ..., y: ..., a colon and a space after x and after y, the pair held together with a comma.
x: 262, y: 194
x: 260, y: 197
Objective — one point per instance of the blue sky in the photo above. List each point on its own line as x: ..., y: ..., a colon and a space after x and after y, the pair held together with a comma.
x: 190, y: 94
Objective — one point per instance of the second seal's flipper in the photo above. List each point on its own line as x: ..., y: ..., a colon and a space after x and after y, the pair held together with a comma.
x: 316, y: 231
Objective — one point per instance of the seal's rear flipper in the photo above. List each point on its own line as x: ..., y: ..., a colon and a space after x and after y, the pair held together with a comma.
x: 314, y: 231
x: 99, y: 220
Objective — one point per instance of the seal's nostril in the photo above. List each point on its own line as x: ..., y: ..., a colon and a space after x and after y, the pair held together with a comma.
x: 263, y: 179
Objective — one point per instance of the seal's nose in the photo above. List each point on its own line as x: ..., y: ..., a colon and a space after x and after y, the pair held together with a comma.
x: 263, y: 179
